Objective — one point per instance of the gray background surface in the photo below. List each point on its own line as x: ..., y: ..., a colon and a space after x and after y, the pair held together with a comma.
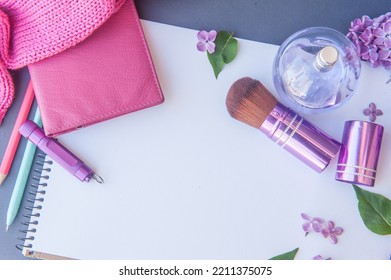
x: 270, y: 21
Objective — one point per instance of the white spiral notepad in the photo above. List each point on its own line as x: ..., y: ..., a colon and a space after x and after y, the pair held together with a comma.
x: 186, y: 181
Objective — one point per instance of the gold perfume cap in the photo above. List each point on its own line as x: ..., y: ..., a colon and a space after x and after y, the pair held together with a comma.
x: 327, y: 57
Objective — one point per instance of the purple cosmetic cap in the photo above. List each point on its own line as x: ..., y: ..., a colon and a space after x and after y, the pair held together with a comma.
x: 359, y: 153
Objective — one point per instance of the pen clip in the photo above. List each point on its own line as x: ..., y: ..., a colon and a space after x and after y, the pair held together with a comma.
x: 97, y: 178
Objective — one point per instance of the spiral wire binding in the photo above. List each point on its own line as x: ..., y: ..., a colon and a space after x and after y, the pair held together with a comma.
x: 35, y: 199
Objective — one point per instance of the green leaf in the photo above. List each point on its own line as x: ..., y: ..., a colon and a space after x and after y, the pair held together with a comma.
x: 217, y: 63
x: 287, y: 256
x: 225, y: 51
x: 375, y: 211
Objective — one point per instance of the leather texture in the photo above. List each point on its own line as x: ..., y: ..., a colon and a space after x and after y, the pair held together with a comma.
x: 109, y: 74
x: 34, y: 30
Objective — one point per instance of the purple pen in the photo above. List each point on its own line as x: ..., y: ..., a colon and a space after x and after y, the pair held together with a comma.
x: 58, y: 152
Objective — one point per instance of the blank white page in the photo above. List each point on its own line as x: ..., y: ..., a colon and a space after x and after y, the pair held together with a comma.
x: 183, y: 180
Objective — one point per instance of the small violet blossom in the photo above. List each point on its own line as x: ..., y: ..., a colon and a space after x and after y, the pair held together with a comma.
x: 360, y: 24
x: 318, y: 225
x: 206, y: 41
x: 372, y: 39
x: 372, y: 112
x: 366, y: 36
x: 332, y: 232
x: 311, y: 223
x: 383, y: 35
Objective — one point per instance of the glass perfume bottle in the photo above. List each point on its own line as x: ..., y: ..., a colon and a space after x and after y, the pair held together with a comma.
x: 316, y: 69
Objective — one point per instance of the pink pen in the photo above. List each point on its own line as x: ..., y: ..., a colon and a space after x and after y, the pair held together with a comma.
x: 58, y: 152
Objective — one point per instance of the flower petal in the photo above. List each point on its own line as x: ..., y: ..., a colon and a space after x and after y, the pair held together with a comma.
x: 318, y: 220
x: 387, y: 42
x: 377, y: 21
x: 387, y: 27
x: 372, y: 117
x: 211, y: 47
x: 337, y: 231
x: 373, y: 55
x: 330, y: 225
x: 367, y: 36
x: 364, y: 50
x: 201, y: 46
x: 366, y: 21
x: 375, y: 63
x: 333, y: 239
x: 386, y: 64
x: 378, y: 112
x: 306, y: 227
x: 384, y: 54
x: 325, y: 232
x: 306, y: 217
x: 212, y: 35
x: 202, y: 35
x: 316, y: 227
x: 378, y: 41
x: 367, y: 112
x: 379, y: 32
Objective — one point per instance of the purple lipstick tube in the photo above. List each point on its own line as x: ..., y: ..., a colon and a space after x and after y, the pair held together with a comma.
x: 299, y: 137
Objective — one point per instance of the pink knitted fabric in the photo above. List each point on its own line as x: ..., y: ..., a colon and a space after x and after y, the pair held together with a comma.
x: 31, y: 30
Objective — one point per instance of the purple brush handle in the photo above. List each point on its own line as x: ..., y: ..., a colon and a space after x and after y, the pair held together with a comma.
x: 56, y: 151
x: 298, y: 136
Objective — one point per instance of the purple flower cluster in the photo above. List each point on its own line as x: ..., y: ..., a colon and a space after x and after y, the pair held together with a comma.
x: 372, y: 38
x: 327, y: 229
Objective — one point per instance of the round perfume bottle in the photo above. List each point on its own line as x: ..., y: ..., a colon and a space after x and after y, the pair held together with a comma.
x: 316, y: 70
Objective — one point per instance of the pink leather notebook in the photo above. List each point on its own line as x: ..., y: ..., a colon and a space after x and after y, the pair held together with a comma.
x: 109, y: 74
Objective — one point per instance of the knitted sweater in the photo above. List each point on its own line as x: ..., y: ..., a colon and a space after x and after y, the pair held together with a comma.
x: 31, y: 30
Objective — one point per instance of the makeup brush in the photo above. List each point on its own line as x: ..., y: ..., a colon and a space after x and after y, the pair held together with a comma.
x: 250, y: 102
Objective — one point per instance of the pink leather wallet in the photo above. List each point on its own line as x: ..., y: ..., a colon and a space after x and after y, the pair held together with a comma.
x: 109, y: 74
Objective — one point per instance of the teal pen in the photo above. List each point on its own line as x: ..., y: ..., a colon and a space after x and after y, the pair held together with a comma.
x: 21, y: 180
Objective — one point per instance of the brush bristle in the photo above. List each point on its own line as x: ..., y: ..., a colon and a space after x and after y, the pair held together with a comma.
x: 250, y: 102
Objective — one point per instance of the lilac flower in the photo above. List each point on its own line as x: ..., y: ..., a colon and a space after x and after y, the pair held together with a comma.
x: 384, y: 53
x: 359, y: 46
x: 369, y: 53
x: 358, y: 25
x: 372, y: 39
x: 372, y: 112
x: 385, y: 56
x: 320, y: 226
x: 379, y: 20
x: 367, y: 36
x: 319, y: 257
x: 332, y: 232
x: 383, y: 35
x: 206, y: 41
x: 314, y: 223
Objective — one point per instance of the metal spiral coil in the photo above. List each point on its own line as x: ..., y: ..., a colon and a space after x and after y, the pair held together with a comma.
x: 35, y: 199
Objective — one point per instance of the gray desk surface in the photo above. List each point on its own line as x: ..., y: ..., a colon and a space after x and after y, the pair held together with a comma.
x: 270, y: 21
